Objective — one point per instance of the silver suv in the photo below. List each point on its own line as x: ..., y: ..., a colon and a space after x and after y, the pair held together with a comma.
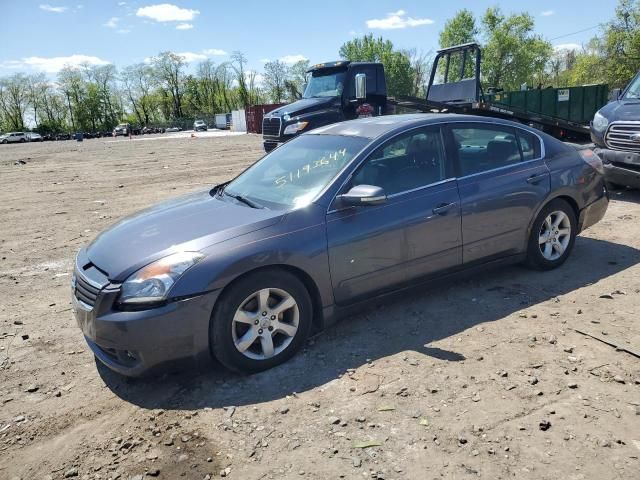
x: 13, y: 137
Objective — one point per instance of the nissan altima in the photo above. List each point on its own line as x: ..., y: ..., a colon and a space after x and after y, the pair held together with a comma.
x: 245, y: 270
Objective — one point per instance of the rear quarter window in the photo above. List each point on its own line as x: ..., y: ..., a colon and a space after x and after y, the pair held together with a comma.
x: 529, y: 145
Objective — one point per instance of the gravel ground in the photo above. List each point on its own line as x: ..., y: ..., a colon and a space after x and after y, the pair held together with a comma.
x: 483, y: 378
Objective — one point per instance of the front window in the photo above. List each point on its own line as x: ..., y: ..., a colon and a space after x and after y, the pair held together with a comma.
x: 634, y: 89
x: 292, y: 175
x: 325, y: 83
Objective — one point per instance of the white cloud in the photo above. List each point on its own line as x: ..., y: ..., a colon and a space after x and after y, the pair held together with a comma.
x: 122, y: 4
x: 123, y: 31
x: 395, y: 20
x: 291, y: 59
x: 53, y: 64
x: 265, y: 60
x: 567, y: 46
x: 192, y: 56
x: 547, y: 13
x: 48, y: 8
x: 214, y: 52
x: 112, y: 22
x: 166, y: 12
x: 184, y: 26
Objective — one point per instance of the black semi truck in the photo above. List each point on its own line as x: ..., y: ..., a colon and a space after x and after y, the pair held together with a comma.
x: 329, y: 97
x: 342, y: 90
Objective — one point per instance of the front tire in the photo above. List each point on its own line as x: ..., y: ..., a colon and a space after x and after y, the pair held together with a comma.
x: 261, y: 321
x: 552, y: 236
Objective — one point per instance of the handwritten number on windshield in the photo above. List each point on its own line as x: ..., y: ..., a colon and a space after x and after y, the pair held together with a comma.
x: 322, y: 163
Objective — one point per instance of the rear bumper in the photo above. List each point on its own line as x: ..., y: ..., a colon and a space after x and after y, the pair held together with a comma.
x: 593, y: 213
x: 622, y: 168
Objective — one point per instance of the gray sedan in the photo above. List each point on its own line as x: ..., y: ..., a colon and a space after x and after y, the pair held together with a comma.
x: 244, y: 271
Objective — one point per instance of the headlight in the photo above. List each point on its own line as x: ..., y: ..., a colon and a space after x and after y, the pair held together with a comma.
x: 152, y: 283
x: 295, y: 128
x: 599, y: 122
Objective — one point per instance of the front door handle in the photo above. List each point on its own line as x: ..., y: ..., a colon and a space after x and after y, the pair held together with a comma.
x: 443, y: 208
x: 536, y: 179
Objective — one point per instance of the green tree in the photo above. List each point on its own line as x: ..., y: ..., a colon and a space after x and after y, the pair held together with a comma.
x: 513, y: 54
x: 459, y: 29
x: 275, y: 77
x: 621, y: 44
x: 397, y: 63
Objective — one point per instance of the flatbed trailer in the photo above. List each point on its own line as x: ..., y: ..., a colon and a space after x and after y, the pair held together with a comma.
x: 562, y: 112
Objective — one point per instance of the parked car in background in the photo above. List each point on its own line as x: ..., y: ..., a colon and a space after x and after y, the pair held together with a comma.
x: 173, y: 129
x: 122, y: 129
x: 615, y: 130
x: 199, y: 126
x: 34, y: 137
x: 13, y: 137
x: 63, y: 136
x: 327, y: 220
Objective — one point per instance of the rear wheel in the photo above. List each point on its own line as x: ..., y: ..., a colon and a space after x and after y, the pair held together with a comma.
x: 552, y: 236
x: 261, y: 321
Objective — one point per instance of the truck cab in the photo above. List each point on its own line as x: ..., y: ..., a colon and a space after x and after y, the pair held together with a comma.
x: 335, y: 91
x: 615, y: 129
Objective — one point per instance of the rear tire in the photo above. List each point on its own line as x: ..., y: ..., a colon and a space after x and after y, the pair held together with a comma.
x: 260, y: 321
x: 552, y: 236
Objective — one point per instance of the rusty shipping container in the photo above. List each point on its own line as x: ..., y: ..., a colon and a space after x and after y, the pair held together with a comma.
x: 255, y: 113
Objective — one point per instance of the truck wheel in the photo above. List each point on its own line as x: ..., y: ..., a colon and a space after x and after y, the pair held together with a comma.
x: 552, y: 236
x: 261, y: 321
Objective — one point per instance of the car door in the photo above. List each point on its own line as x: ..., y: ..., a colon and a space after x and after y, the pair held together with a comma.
x: 502, y: 180
x: 416, y: 232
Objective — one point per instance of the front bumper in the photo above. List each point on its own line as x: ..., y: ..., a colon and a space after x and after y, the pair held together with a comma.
x: 133, y: 343
x: 622, y: 168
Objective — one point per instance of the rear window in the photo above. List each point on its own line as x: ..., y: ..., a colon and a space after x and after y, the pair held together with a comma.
x: 529, y: 145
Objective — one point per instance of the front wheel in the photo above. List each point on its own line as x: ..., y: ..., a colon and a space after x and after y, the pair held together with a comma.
x: 261, y: 321
x: 552, y: 236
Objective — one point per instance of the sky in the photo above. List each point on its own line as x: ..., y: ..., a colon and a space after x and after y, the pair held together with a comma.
x: 36, y: 36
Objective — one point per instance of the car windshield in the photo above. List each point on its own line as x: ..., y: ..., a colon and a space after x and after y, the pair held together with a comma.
x: 634, y: 89
x: 293, y: 174
x: 325, y: 83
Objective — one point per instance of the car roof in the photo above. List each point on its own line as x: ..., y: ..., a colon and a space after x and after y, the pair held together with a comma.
x: 374, y: 127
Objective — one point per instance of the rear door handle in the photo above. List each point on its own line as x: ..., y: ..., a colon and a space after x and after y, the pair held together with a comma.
x: 535, y: 179
x: 443, y: 208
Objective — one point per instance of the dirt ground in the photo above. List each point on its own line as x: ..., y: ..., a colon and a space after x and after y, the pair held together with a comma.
x: 484, y: 378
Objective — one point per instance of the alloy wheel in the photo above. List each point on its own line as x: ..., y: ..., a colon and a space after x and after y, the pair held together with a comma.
x: 555, y: 235
x: 265, y: 323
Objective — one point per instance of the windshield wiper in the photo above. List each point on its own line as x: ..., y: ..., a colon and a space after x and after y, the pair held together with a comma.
x: 242, y: 199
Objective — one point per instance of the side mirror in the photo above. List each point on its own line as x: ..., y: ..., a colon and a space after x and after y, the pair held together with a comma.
x: 615, y: 94
x: 361, y: 86
x: 362, y: 195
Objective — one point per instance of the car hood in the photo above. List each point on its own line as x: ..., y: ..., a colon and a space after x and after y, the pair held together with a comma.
x: 621, y: 110
x: 188, y: 223
x: 302, y: 106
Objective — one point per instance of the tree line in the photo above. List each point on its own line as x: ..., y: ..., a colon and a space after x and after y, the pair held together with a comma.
x: 163, y: 90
